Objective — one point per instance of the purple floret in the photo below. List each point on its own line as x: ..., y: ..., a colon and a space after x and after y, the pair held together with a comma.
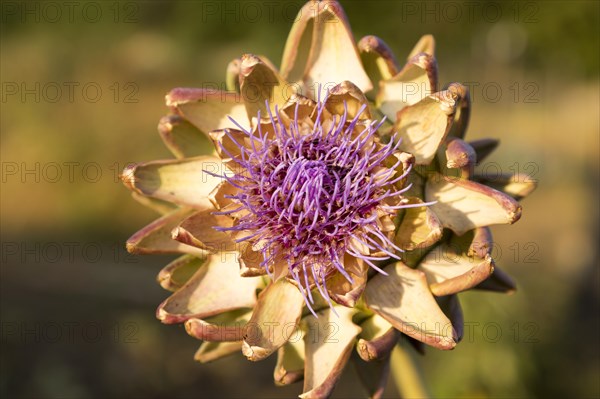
x: 307, y: 195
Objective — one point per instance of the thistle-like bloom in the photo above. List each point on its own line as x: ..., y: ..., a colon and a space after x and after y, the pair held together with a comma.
x: 339, y: 187
x: 313, y: 194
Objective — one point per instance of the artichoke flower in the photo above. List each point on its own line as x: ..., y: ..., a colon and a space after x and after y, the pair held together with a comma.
x: 338, y: 214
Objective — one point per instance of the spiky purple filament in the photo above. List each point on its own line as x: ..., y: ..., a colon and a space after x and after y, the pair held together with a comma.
x: 308, y: 194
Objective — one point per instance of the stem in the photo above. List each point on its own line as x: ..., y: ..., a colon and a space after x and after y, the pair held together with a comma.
x: 406, y: 372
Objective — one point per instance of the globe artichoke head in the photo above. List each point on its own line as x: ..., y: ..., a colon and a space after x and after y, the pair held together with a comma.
x: 338, y: 213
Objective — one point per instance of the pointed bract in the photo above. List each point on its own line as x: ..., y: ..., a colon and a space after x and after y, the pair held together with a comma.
x: 182, y: 138
x: 404, y: 300
x: 260, y: 84
x: 231, y: 329
x: 215, y: 288
x: 327, y: 354
x: 377, y: 58
x: 423, y: 126
x: 426, y: 44
x: 347, y: 98
x: 463, y: 110
x: 333, y: 56
x: 274, y: 320
x: 188, y: 182
x: 449, y: 272
x: 484, y: 147
x: 416, y: 81
x: 178, y: 272
x: 290, y: 361
x: 463, y: 205
x: 156, y: 237
x: 377, y: 339
x: 518, y: 186
x: 450, y: 305
x: 208, y: 109
x: 459, y: 154
x: 499, y: 281
x: 199, y: 231
x: 419, y: 228
x: 211, y: 351
x: 160, y: 206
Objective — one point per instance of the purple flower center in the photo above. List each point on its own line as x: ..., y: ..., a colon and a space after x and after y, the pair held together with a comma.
x: 311, y: 189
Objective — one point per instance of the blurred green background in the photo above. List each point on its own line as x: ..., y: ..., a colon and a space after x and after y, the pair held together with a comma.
x: 82, y: 92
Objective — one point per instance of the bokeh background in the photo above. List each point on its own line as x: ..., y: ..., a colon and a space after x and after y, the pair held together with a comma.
x: 82, y: 91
